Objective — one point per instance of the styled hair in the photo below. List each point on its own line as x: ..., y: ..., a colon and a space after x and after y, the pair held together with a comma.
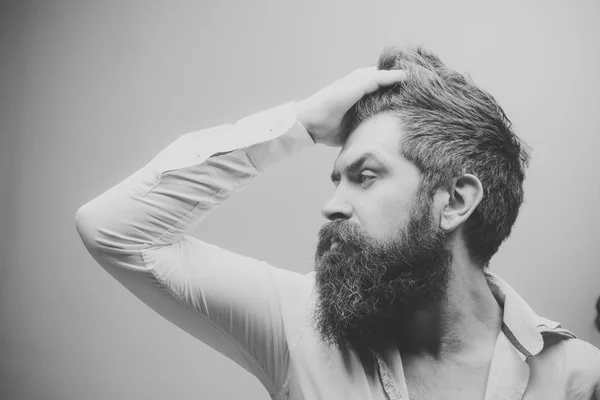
x: 452, y: 127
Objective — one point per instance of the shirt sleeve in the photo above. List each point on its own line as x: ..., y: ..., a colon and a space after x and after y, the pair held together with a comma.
x: 137, y: 231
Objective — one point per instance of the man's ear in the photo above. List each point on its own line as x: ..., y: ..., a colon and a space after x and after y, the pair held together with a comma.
x: 466, y: 193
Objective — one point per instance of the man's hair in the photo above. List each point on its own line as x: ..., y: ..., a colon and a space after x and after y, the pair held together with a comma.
x: 452, y: 127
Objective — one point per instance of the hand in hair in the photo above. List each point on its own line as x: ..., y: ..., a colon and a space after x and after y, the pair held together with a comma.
x: 322, y: 114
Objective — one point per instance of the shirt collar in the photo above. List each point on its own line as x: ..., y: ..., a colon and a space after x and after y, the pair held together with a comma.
x: 521, y: 325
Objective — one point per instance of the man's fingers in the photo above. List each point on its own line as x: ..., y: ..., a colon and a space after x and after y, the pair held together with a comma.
x: 389, y: 77
x: 378, y: 79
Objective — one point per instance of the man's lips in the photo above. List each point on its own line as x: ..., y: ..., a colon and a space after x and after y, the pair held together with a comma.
x: 325, y: 248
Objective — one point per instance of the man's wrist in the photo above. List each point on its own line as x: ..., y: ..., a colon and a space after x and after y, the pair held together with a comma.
x: 303, y: 116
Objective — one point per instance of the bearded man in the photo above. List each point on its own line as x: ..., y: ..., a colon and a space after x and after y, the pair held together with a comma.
x: 401, y: 303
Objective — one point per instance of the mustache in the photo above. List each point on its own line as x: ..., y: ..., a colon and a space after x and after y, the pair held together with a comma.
x: 346, y: 234
x: 412, y: 247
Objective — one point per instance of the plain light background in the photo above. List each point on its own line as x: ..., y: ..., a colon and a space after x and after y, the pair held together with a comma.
x: 92, y: 90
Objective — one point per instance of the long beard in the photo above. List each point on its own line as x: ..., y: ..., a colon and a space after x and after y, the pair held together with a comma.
x: 367, y: 288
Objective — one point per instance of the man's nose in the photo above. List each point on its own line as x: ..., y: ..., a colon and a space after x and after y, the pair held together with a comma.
x: 336, y: 208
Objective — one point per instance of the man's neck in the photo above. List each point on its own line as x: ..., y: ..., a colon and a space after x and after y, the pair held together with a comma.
x: 467, y: 321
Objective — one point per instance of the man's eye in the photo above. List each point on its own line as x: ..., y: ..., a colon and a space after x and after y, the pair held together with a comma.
x: 365, y: 178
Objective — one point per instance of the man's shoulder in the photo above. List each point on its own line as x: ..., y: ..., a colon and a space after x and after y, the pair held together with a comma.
x: 295, y: 292
x: 582, y: 365
x: 579, y: 358
x: 555, y: 335
x: 294, y: 284
x: 581, y: 353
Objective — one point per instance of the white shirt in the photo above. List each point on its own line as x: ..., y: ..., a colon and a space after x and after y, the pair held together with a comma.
x: 259, y: 315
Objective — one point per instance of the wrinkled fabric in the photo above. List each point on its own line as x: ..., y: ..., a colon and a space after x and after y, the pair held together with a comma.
x: 259, y: 315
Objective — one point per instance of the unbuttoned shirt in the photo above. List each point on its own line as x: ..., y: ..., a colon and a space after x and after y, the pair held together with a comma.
x: 259, y: 315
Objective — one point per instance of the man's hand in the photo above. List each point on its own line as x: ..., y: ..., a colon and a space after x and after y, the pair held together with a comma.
x: 322, y: 113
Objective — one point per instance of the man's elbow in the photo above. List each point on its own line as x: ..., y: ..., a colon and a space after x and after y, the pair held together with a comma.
x: 110, y: 247
x: 94, y: 232
x: 87, y: 228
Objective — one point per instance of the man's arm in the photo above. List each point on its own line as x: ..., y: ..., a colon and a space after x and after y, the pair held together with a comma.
x: 137, y: 230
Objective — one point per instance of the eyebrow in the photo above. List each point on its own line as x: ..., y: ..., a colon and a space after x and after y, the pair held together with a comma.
x: 354, y: 166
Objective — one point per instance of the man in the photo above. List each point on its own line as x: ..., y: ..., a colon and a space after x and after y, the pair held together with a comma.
x: 401, y: 303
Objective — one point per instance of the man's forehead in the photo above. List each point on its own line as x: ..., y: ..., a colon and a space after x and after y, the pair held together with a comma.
x: 377, y: 138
